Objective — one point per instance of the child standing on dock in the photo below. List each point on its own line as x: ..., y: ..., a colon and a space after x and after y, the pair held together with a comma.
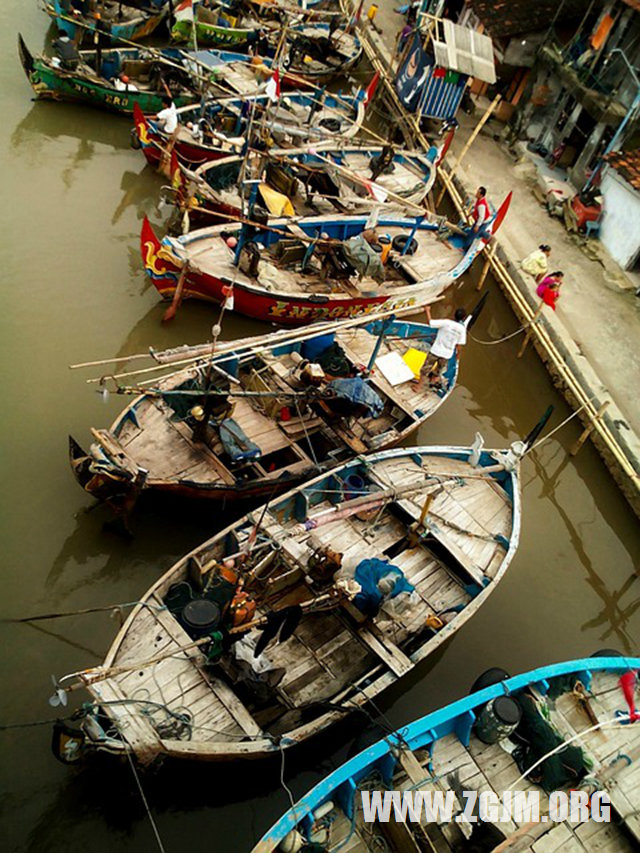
x: 549, y: 288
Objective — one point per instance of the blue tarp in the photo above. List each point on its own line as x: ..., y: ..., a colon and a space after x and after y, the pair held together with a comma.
x: 356, y: 390
x: 368, y: 574
x: 236, y: 443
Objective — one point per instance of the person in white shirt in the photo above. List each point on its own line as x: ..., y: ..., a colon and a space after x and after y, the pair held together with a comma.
x: 168, y: 122
x: 451, y: 335
x: 168, y: 117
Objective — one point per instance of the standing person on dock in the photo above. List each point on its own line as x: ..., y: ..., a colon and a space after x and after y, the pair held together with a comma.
x: 537, y: 263
x: 549, y: 288
x: 451, y: 335
x: 481, y: 214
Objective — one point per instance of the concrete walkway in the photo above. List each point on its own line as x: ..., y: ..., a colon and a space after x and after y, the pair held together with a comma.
x: 598, y: 307
x: 596, y: 329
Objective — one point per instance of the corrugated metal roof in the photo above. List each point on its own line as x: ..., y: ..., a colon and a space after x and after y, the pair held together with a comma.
x: 513, y: 17
x: 627, y: 164
x: 464, y: 50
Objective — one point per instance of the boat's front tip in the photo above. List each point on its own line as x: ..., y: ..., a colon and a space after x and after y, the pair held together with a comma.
x: 25, y: 55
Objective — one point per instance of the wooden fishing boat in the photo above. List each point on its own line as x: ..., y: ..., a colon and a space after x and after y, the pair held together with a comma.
x: 271, y: 285
x: 236, y: 72
x: 298, y: 182
x: 270, y: 442
x: 124, y: 19
x: 321, y: 51
x: 216, y: 26
x: 146, y: 74
x: 356, y: 577
x: 222, y: 125
x: 585, y: 704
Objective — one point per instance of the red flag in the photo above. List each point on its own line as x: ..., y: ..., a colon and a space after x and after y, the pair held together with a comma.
x: 371, y: 88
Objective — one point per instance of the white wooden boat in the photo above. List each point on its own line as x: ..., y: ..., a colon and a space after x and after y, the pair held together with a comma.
x: 580, y: 704
x: 447, y: 520
x: 294, y: 430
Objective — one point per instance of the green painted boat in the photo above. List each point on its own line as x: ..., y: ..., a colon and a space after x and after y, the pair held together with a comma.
x: 214, y: 27
x: 127, y: 77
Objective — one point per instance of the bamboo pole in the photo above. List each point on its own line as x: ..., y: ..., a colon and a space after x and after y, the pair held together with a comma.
x: 490, y: 252
x: 244, y: 346
x: 485, y: 118
x: 529, y: 335
x: 589, y: 429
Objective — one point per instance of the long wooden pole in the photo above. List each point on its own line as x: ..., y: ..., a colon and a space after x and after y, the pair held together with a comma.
x: 257, y: 344
x: 485, y: 118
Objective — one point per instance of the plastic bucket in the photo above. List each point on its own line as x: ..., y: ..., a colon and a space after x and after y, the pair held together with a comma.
x: 354, y: 487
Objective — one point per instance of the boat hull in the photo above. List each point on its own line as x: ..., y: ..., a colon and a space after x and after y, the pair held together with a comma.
x: 260, y: 743
x: 94, y: 478
x: 424, y: 733
x: 137, y: 28
x: 212, y: 35
x: 283, y: 309
x: 58, y: 84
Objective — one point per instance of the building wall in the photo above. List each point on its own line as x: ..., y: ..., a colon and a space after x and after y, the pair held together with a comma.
x: 620, y: 228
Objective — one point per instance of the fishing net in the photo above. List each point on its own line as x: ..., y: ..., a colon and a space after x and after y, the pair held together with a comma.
x: 334, y: 361
x: 536, y: 737
x: 223, y: 177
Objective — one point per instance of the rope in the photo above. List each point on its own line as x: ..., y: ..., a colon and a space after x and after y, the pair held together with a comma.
x: 49, y: 722
x: 306, y: 434
x: 282, y: 782
x: 564, y: 422
x: 146, y: 804
x: 500, y: 340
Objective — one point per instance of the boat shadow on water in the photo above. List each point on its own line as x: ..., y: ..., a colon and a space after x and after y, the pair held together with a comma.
x: 99, y: 550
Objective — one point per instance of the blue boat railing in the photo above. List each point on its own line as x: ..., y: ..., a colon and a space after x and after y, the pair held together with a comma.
x: 456, y: 718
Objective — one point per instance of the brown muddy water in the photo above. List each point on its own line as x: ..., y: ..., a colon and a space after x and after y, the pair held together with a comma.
x: 74, y: 197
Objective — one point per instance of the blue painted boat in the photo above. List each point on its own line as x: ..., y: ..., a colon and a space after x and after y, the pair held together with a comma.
x: 466, y: 745
x: 366, y: 564
x: 297, y: 117
x: 124, y: 20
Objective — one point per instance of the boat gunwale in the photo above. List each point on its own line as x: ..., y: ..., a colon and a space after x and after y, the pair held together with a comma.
x: 423, y: 731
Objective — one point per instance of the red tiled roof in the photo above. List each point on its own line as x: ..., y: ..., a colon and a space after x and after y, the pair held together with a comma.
x: 516, y: 17
x: 627, y: 164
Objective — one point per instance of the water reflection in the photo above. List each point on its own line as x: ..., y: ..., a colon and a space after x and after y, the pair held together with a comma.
x: 139, y: 191
x: 49, y: 120
x: 613, y: 615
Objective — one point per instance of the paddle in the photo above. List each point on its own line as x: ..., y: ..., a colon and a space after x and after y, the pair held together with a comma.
x: 476, y: 312
x: 535, y: 432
